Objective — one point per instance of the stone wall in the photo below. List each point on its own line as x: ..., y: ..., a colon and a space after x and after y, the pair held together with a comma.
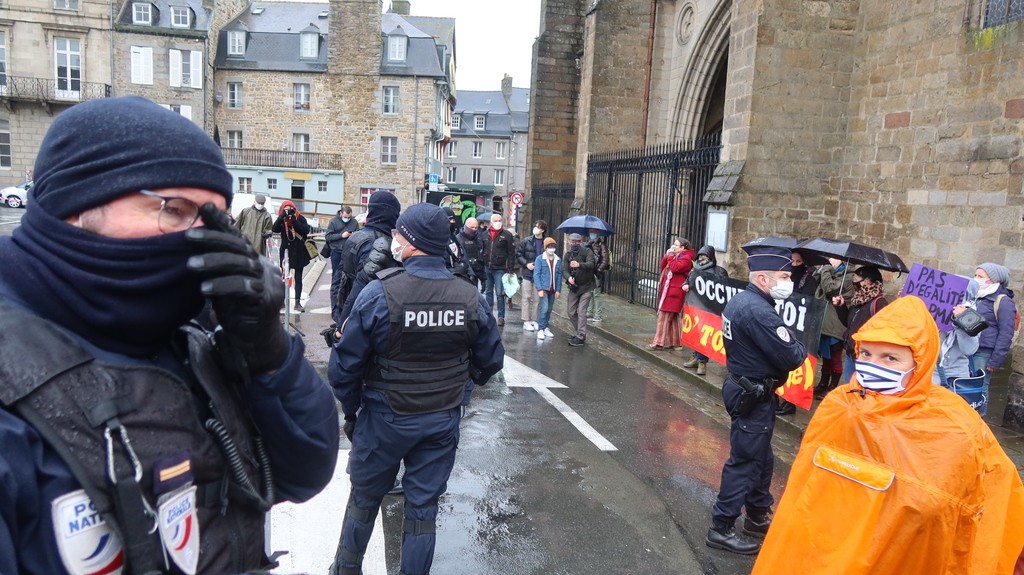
x: 268, y: 117
x: 160, y: 91
x: 554, y: 93
x: 787, y: 100
x: 614, y: 80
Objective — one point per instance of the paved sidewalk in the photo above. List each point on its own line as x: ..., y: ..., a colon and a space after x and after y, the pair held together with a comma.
x: 632, y: 326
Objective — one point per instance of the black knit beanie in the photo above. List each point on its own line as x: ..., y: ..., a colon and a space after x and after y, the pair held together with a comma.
x: 426, y: 227
x: 101, y: 150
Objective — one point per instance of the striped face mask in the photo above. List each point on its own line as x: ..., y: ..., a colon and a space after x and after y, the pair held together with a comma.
x: 881, y: 379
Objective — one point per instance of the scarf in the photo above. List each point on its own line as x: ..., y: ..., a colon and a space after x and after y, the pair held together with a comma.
x: 865, y: 293
x: 988, y: 290
x: 127, y: 296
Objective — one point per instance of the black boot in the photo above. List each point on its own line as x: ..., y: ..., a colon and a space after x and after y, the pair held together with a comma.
x: 728, y: 540
x: 756, y: 523
x: 785, y: 408
x: 825, y: 385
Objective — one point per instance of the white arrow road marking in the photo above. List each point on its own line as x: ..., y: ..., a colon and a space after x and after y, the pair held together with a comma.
x: 309, y: 531
x: 518, y: 375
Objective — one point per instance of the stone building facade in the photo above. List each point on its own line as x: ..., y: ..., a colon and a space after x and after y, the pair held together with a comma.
x: 899, y: 125
x: 161, y: 53
x: 54, y: 54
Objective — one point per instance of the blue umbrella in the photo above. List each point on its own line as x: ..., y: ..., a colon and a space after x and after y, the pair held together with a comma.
x: 583, y: 223
x: 484, y: 216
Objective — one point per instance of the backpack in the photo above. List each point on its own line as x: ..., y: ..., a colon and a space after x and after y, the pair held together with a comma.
x: 1016, y: 317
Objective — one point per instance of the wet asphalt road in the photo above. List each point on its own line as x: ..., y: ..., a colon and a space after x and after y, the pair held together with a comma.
x: 626, y: 489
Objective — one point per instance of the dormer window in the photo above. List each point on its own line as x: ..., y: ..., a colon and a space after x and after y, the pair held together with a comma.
x: 142, y: 13
x: 479, y: 122
x: 396, y: 48
x: 236, y: 43
x: 181, y: 17
x: 310, y: 44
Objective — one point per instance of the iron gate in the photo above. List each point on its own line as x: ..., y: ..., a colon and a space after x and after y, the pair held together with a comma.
x: 650, y: 196
x: 551, y: 203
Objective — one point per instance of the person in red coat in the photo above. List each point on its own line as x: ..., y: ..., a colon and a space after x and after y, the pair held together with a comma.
x: 675, y: 266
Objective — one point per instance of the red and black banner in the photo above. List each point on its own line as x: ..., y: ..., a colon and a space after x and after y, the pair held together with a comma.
x: 702, y: 327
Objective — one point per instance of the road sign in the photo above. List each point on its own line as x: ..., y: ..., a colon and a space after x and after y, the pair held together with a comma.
x: 432, y: 181
x: 516, y: 198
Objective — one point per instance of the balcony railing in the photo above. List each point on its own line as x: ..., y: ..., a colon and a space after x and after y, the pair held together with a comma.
x: 281, y: 159
x: 47, y: 90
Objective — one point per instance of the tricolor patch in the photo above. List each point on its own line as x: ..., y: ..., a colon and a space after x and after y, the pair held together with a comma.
x: 86, y: 544
x: 179, y: 529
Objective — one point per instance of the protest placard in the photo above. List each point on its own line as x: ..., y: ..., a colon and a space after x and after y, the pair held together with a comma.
x: 941, y: 292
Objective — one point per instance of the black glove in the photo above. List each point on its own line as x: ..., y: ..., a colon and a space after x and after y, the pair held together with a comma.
x: 330, y: 335
x: 267, y: 235
x: 349, y: 427
x: 246, y: 291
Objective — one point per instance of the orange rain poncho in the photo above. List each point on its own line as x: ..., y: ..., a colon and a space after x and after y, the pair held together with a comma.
x: 906, y: 484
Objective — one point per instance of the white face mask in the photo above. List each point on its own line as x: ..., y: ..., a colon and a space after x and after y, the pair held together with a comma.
x: 537, y: 231
x: 550, y: 251
x: 259, y: 206
x: 881, y: 379
x: 781, y: 290
x: 495, y: 225
x: 396, y: 249
x: 983, y: 282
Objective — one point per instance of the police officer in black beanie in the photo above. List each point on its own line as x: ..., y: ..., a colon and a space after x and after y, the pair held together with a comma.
x: 157, y: 442
x: 366, y: 252
x: 416, y: 343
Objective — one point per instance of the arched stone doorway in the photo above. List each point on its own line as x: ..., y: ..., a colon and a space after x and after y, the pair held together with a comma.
x: 700, y: 104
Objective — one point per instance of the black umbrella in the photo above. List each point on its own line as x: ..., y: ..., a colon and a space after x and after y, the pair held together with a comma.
x: 583, y: 223
x: 854, y: 253
x: 785, y: 243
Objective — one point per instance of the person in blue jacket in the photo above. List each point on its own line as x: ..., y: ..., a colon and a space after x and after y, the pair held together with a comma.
x: 760, y: 352
x: 417, y: 341
x: 547, y: 280
x: 995, y: 303
x: 137, y: 439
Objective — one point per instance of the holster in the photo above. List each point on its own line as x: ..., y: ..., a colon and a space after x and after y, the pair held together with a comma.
x: 752, y: 395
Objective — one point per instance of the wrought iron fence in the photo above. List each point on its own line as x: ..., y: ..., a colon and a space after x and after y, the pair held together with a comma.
x: 551, y: 203
x: 47, y: 90
x: 650, y: 195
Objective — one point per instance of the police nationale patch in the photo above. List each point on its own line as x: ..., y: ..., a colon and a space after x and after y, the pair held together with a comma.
x: 179, y: 528
x: 783, y: 333
x: 86, y: 544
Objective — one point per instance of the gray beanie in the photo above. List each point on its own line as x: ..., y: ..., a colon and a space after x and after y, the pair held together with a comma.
x: 101, y: 150
x: 996, y: 272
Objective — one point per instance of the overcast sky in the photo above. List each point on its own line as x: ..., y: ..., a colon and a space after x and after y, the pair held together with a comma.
x: 492, y: 38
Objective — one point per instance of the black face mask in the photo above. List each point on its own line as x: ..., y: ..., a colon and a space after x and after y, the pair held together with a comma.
x: 470, y: 232
x: 123, y: 295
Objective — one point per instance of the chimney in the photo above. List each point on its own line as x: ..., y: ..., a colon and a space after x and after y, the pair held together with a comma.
x: 506, y: 88
x: 401, y: 7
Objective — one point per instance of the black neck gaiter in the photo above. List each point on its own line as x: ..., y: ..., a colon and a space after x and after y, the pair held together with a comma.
x: 123, y: 295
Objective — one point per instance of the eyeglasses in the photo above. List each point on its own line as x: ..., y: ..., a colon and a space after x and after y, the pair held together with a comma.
x: 176, y: 214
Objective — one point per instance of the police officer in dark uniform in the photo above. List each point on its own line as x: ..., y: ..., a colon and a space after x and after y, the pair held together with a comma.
x: 417, y: 341
x: 760, y: 352
x: 367, y: 252
x: 134, y: 439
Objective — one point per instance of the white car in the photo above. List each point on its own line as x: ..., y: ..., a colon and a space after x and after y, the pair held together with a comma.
x: 16, y: 196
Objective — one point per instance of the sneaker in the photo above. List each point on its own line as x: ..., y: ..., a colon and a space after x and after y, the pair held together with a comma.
x: 548, y: 333
x: 299, y: 308
x: 702, y: 368
x: 529, y: 326
x: 540, y: 335
x: 691, y: 363
x: 501, y: 321
x: 576, y: 342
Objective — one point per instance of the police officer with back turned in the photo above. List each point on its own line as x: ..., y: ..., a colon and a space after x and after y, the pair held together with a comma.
x: 760, y: 352
x: 417, y: 341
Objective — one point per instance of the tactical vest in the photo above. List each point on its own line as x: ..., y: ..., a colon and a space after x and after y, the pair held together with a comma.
x: 433, y: 324
x: 350, y: 258
x: 126, y: 420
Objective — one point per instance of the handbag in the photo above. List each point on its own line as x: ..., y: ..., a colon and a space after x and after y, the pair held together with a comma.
x: 326, y: 250
x: 311, y: 249
x: 971, y: 322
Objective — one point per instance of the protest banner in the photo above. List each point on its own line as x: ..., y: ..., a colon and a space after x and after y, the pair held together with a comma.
x: 702, y: 327
x: 941, y: 292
